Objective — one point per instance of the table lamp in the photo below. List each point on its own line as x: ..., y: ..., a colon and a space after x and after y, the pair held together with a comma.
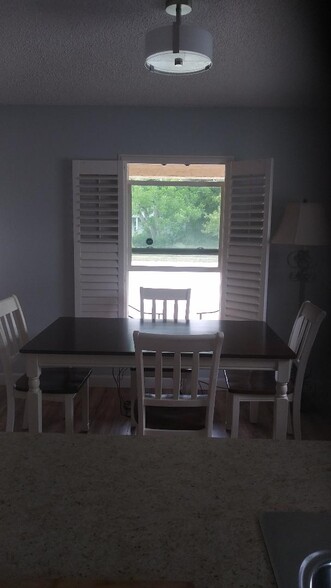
x: 303, y: 225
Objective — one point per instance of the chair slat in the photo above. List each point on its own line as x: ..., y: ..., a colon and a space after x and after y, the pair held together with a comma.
x: 177, y: 375
x: 153, y: 309
x: 194, y: 382
x: 158, y: 374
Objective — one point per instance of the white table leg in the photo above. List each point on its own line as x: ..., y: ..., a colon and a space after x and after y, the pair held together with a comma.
x: 34, y: 394
x: 281, y: 405
x: 133, y: 397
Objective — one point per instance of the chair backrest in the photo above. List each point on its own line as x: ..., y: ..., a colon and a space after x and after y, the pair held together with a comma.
x: 161, y: 300
x: 13, y: 335
x: 175, y: 352
x: 303, y: 335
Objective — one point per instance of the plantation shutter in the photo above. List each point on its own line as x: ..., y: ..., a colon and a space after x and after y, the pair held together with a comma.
x: 245, y: 240
x: 98, y: 240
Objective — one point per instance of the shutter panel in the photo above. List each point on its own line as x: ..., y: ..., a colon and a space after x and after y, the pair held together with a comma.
x: 98, y: 240
x: 245, y: 239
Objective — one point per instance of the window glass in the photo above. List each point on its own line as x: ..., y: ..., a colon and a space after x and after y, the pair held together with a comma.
x: 175, y: 214
x: 175, y: 217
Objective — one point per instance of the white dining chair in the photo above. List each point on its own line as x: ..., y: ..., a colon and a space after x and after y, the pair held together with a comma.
x: 164, y: 409
x: 56, y: 384
x: 259, y: 386
x: 166, y: 303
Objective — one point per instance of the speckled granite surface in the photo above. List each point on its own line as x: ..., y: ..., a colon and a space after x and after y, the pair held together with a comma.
x: 130, y: 508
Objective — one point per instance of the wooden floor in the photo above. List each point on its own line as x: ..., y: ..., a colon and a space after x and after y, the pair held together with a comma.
x: 108, y: 416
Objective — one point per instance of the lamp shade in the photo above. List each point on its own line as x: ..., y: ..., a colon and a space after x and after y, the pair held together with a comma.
x: 303, y: 223
x: 194, y: 56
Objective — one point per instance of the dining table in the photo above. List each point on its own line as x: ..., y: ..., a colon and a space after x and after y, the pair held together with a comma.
x: 108, y: 342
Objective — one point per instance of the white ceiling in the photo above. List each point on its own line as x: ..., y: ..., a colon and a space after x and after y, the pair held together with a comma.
x: 267, y: 53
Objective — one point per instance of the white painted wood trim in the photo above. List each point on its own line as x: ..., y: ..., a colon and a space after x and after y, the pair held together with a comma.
x: 101, y: 256
x: 213, y: 159
x: 245, y: 239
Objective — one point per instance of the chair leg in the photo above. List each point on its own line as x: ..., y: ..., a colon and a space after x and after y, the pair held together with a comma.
x: 253, y: 412
x: 133, y: 397
x: 10, y: 414
x: 290, y: 420
x: 25, y: 424
x: 186, y: 381
x: 69, y: 414
x: 296, y: 418
x: 228, y: 411
x: 235, y: 416
x: 86, y: 407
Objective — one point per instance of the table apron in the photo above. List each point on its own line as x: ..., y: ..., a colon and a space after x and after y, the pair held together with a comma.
x: 122, y: 361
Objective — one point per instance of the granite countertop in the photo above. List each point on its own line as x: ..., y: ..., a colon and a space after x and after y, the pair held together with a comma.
x: 151, y: 508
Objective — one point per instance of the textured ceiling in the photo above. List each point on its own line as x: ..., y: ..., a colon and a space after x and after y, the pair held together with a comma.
x: 267, y: 53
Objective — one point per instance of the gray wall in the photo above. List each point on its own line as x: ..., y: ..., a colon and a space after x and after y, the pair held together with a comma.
x: 37, y: 145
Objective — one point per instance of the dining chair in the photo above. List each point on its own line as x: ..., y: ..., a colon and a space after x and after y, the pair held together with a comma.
x: 203, y: 314
x: 56, y: 384
x: 259, y: 386
x: 165, y: 303
x: 164, y: 409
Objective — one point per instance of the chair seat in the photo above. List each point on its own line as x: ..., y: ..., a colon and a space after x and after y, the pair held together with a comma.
x: 252, y: 382
x: 57, y: 380
x: 174, y: 418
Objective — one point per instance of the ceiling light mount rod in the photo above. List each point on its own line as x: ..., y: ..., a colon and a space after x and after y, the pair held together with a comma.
x: 176, y: 32
x: 178, y: 49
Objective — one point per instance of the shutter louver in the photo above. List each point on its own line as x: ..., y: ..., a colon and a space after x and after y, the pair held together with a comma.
x: 98, y: 208
x: 245, y: 240
x: 98, y: 252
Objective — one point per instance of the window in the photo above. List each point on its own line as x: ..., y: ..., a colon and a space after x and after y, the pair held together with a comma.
x: 104, y: 228
x: 175, y: 214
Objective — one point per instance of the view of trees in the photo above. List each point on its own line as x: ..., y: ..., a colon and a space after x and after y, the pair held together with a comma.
x: 176, y: 216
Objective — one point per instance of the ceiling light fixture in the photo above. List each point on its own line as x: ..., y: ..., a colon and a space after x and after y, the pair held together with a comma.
x: 178, y: 49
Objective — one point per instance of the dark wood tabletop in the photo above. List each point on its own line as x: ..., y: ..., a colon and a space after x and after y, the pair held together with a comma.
x: 113, y: 336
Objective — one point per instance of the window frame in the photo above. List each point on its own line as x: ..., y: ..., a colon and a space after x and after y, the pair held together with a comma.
x: 127, y: 159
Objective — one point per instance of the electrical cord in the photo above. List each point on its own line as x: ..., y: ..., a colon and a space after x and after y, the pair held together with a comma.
x: 125, y: 405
